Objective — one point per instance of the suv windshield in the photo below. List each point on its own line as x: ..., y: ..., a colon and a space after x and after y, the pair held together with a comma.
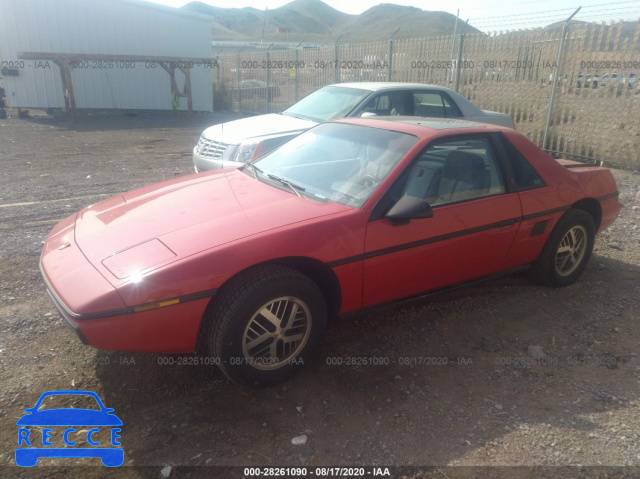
x: 327, y: 103
x: 335, y: 161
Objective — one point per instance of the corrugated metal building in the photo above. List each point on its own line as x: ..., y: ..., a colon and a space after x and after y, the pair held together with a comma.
x: 115, y: 27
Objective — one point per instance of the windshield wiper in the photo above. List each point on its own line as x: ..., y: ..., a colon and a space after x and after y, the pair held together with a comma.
x: 346, y: 195
x: 255, y: 170
x: 298, y: 116
x: 295, y: 188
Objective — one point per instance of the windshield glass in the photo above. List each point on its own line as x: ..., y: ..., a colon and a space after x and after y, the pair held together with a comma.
x: 328, y: 103
x: 336, y: 161
x: 77, y: 401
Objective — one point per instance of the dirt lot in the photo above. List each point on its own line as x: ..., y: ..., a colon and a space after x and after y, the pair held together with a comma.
x: 506, y: 373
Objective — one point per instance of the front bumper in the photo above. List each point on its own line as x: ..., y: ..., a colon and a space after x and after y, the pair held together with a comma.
x: 63, y: 311
x: 201, y: 163
x: 95, y: 311
x: 171, y: 329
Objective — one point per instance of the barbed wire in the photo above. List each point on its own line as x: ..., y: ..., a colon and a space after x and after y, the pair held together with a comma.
x: 604, y: 15
x: 565, y: 9
x: 531, y: 18
x: 597, y: 12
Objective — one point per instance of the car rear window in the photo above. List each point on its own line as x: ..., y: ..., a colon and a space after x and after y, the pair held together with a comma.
x: 524, y: 174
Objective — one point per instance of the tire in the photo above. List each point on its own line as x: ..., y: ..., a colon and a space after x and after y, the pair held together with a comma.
x: 244, y: 329
x: 567, y: 251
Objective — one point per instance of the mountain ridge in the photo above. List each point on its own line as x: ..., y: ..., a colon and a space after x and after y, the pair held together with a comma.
x: 315, y: 21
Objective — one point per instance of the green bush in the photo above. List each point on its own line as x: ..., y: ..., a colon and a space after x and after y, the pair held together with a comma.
x: 221, y: 97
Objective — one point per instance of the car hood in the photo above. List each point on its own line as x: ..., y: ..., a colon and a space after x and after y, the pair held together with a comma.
x: 142, y: 230
x: 274, y: 124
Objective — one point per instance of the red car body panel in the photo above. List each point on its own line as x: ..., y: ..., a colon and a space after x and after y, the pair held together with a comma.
x: 137, y: 271
x: 171, y: 330
x: 439, y: 263
x: 83, y: 288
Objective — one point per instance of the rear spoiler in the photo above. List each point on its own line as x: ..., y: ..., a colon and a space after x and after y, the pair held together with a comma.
x: 582, y: 160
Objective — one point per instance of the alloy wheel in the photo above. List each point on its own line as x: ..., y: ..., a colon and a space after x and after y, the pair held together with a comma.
x: 276, y: 333
x: 571, y: 251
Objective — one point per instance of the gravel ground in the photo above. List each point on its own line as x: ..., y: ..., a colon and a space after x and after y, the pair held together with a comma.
x: 503, y: 379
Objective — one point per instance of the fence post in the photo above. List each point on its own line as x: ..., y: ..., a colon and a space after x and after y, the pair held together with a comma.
x: 458, y: 61
x: 391, y: 54
x: 390, y: 59
x: 266, y: 93
x: 296, y: 93
x: 453, y: 45
x: 336, y: 62
x: 459, y: 56
x: 556, y: 76
x: 238, y: 82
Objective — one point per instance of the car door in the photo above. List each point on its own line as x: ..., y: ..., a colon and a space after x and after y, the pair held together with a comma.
x: 473, y: 225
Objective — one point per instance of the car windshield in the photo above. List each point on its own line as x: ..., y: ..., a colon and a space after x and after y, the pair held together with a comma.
x: 335, y: 162
x: 328, y: 103
x: 76, y: 401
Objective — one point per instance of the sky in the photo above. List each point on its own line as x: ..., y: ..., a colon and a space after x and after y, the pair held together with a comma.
x: 488, y: 15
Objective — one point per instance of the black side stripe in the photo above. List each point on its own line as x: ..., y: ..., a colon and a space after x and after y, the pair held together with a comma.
x: 609, y: 196
x: 415, y: 244
x: 456, y: 234
x: 544, y: 213
x: 132, y: 309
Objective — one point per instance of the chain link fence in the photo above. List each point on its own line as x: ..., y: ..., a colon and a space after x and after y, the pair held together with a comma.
x: 596, y: 111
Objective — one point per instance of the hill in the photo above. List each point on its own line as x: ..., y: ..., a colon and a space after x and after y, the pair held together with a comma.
x: 315, y: 21
x: 379, y: 22
x: 622, y: 32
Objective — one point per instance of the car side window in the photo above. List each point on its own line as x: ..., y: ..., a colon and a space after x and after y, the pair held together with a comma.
x: 435, y: 105
x: 524, y: 175
x: 454, y: 171
x: 385, y: 104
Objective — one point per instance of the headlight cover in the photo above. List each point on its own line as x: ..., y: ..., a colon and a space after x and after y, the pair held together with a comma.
x: 248, y: 152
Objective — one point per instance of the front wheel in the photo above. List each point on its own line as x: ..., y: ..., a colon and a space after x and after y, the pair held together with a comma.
x: 567, y: 251
x: 267, y: 324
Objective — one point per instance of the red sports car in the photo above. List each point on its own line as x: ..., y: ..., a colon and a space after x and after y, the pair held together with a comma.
x: 351, y: 215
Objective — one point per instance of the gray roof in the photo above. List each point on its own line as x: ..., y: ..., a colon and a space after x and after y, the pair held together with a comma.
x: 377, y: 86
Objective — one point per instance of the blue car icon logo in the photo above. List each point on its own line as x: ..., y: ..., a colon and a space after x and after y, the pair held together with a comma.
x: 32, y: 446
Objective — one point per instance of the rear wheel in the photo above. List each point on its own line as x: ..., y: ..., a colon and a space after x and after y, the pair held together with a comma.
x: 266, y: 325
x: 567, y: 251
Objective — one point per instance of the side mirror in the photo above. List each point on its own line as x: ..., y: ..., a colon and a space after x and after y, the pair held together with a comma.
x: 409, y: 208
x: 367, y: 114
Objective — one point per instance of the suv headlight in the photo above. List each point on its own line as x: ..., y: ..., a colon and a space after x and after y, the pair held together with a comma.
x: 248, y: 151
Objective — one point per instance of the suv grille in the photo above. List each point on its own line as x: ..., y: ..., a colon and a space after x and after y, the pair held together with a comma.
x: 210, y: 148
